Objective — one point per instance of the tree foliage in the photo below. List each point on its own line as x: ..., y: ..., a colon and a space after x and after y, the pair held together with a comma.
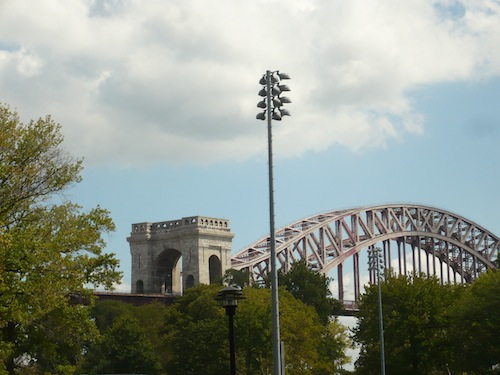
x: 125, y: 348
x: 195, y: 333
x: 106, y: 312
x: 416, y: 319
x: 112, y: 353
x: 58, y: 341
x: 152, y: 319
x: 237, y: 277
x: 475, y: 332
x: 197, y: 336
x: 49, y: 252
x: 431, y: 328
x: 332, y: 350
x: 311, y: 287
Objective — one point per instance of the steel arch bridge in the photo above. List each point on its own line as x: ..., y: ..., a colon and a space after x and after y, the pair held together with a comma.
x: 413, y: 237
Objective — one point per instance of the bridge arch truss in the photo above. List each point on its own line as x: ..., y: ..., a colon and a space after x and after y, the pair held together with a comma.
x: 413, y: 237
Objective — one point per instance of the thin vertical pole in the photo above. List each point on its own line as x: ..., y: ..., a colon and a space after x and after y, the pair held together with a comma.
x: 230, y: 311
x: 375, y: 265
x: 274, y: 274
x: 381, y: 323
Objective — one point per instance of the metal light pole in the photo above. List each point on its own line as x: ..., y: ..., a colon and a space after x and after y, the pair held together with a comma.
x: 376, y: 264
x: 228, y: 297
x: 272, y: 105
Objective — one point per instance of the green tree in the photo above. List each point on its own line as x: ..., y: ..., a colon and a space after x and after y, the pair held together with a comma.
x: 152, y: 318
x: 58, y: 340
x: 475, y: 327
x: 311, y: 287
x: 197, y: 335
x: 310, y: 346
x: 49, y: 252
x: 253, y: 332
x: 416, y: 319
x: 106, y: 312
x: 125, y: 348
x: 332, y: 350
x: 302, y: 334
x: 237, y: 277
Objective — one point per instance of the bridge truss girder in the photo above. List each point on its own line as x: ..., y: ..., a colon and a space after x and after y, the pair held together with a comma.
x: 326, y: 240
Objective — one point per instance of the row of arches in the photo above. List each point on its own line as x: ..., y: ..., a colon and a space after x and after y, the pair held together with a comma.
x: 169, y: 278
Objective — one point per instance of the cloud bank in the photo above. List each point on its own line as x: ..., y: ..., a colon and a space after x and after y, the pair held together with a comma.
x: 137, y: 83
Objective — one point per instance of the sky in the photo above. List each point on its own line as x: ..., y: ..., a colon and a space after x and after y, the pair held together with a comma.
x: 392, y: 101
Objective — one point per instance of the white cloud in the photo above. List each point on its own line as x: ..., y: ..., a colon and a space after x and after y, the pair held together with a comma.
x: 134, y: 82
x: 27, y: 64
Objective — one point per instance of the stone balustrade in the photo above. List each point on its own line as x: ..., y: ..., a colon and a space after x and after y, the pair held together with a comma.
x: 185, y: 222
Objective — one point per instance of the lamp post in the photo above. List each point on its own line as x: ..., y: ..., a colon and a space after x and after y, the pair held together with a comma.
x: 272, y: 110
x: 228, y: 298
x: 376, y: 264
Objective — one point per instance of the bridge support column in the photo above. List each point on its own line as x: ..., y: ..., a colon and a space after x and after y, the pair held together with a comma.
x: 340, y: 279
x: 355, y: 262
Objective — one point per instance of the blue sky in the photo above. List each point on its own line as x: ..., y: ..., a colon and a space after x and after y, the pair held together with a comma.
x: 453, y: 166
x: 392, y: 102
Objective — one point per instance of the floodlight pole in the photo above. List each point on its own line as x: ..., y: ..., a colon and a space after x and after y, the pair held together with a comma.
x: 374, y: 255
x: 273, y: 104
x: 381, y: 327
x: 274, y: 274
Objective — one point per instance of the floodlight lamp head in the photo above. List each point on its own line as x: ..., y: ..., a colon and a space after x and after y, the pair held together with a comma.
x: 263, y: 92
x: 276, y: 102
x: 262, y: 104
x: 285, y: 99
x: 274, y: 78
x: 284, y: 88
x: 261, y: 116
x: 276, y: 116
x: 263, y: 80
x: 285, y: 112
x: 275, y: 90
x: 283, y: 75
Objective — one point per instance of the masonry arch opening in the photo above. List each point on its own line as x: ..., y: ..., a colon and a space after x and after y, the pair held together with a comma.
x: 214, y: 269
x: 139, y: 287
x: 167, y: 272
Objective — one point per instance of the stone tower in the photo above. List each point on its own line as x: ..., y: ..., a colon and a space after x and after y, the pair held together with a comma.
x: 170, y: 256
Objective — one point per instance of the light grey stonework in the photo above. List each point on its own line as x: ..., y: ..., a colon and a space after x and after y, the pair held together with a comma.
x: 202, y: 243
